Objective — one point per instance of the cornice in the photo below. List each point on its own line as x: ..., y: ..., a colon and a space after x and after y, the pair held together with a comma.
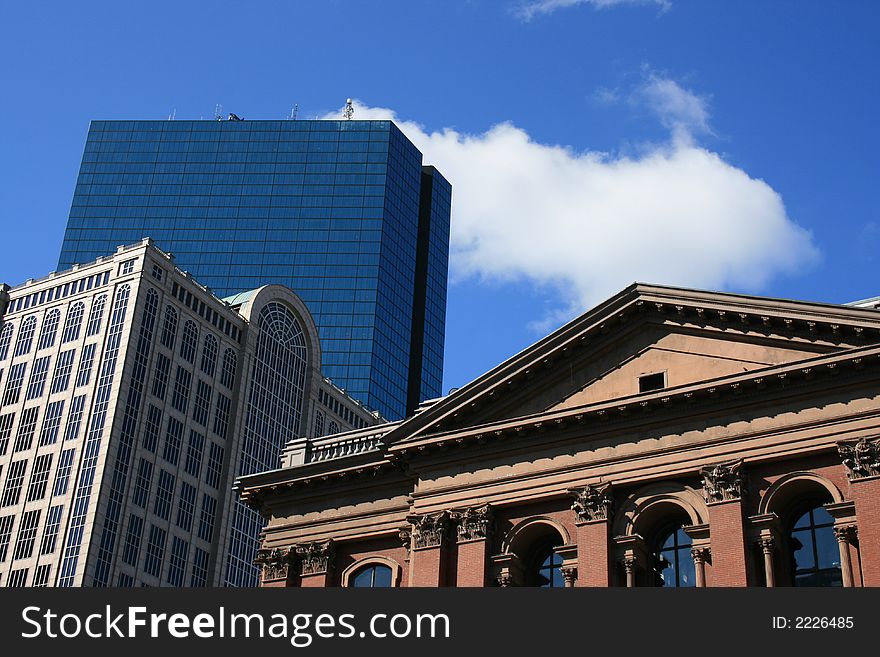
x: 825, y: 325
x: 756, y: 381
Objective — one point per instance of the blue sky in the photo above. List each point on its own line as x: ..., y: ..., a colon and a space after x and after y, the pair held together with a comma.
x: 728, y: 145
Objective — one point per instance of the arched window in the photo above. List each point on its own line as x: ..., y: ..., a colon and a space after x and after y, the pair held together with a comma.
x: 189, y: 341
x: 73, y: 322
x: 333, y: 428
x: 673, y: 562
x: 169, y: 327
x: 319, y: 424
x: 227, y: 376
x: 546, y: 571
x: 5, y: 340
x: 50, y: 329
x: 209, y: 355
x: 815, y: 556
x: 372, y: 576
x: 25, y: 336
x: 96, y: 315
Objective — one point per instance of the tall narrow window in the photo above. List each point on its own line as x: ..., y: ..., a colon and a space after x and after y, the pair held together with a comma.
x: 84, y: 371
x: 49, y: 329
x: 189, y: 341
x: 5, y: 340
x: 227, y: 376
x: 96, y: 315
x: 209, y: 355
x: 63, y: 368
x: 73, y: 322
x: 38, y: 378
x: 169, y: 327
x: 25, y: 336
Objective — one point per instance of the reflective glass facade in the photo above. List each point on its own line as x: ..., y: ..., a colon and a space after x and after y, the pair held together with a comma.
x: 342, y: 212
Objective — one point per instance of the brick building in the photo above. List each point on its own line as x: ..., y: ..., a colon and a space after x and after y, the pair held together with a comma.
x: 668, y: 437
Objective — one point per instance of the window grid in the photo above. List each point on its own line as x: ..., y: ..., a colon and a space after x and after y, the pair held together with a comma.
x: 74, y: 418
x: 51, y: 423
x: 38, y: 378
x: 14, y: 382
x: 53, y: 525
x: 39, y: 477
x: 24, y: 439
x: 72, y: 323
x: 189, y: 341
x: 62, y: 474
x: 92, y: 446
x: 25, y: 336
x: 27, y: 534
x: 182, y: 385
x: 14, y: 482
x: 96, y: 315
x: 155, y: 551
x: 49, y: 331
x: 86, y: 359
x: 63, y: 368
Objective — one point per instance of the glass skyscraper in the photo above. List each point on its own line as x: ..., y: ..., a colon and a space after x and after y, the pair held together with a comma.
x: 342, y: 212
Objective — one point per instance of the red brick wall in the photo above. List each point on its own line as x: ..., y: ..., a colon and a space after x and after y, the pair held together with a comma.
x: 728, y: 545
x: 866, y: 495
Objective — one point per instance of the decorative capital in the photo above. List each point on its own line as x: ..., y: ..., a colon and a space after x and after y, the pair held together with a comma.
x: 861, y: 458
x: 766, y: 544
x: 722, y: 482
x: 569, y: 574
x: 429, y: 530
x: 316, y: 558
x: 846, y: 533
x: 592, y: 502
x: 274, y: 563
x: 504, y: 579
x: 701, y: 554
x: 474, y: 523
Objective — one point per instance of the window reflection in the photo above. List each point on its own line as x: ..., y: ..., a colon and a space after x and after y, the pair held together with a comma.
x: 814, y: 552
x: 373, y: 577
x: 673, y: 562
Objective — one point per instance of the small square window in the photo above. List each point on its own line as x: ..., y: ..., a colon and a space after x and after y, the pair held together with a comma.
x: 157, y: 272
x: 126, y: 267
x: 649, y: 382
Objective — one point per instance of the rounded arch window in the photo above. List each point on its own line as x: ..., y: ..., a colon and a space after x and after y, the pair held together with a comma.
x: 814, y: 552
x: 371, y: 576
x: 673, y: 561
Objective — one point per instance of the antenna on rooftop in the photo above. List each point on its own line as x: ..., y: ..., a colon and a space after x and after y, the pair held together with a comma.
x: 218, y: 112
x: 173, y: 114
x: 293, y: 112
x: 348, y: 112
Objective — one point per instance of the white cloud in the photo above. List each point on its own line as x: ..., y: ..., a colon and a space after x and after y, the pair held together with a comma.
x: 528, y: 9
x: 679, y: 110
x: 588, y: 223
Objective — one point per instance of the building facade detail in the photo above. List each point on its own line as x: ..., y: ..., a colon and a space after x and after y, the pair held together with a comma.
x: 655, y: 390
x: 315, y: 558
x: 861, y: 457
x: 722, y: 482
x: 430, y: 530
x: 592, y: 502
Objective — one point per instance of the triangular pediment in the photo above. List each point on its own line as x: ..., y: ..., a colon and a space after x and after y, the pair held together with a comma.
x: 687, y: 335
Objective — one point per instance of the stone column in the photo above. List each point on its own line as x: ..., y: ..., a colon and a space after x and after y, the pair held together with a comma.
x: 276, y: 567
x: 594, y: 507
x: 430, y: 536
x: 846, y: 535
x: 316, y: 563
x: 629, y: 567
x: 474, y: 533
x: 723, y: 489
x: 768, y: 546
x: 700, y: 556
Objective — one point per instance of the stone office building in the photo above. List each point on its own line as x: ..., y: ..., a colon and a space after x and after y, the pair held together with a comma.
x: 668, y: 437
x: 130, y: 398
